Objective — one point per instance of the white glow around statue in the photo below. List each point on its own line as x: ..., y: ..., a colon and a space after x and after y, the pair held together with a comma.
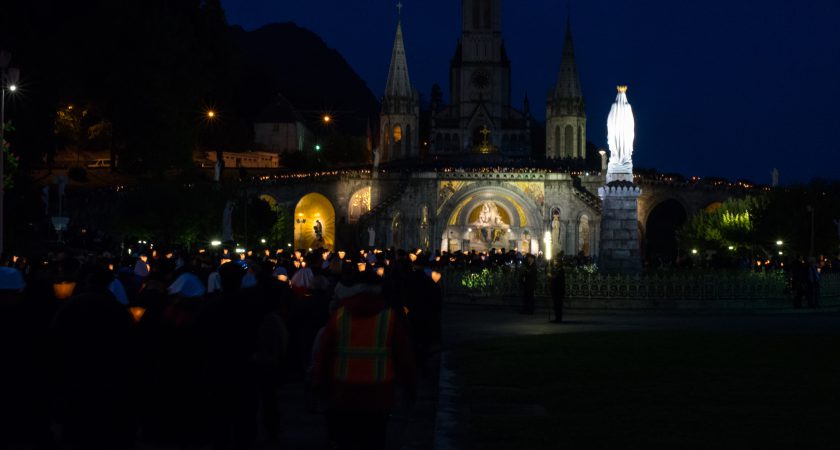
x: 621, y: 133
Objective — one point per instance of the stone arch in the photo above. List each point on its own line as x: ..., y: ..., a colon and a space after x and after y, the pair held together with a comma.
x: 268, y: 198
x: 314, y: 210
x: 569, y: 149
x: 661, y: 227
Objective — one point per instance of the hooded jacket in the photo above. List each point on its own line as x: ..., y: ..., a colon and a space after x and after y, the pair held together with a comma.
x: 363, y: 301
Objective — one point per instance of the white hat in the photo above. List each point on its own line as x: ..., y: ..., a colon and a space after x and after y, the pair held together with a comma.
x: 11, y: 279
x: 188, y: 285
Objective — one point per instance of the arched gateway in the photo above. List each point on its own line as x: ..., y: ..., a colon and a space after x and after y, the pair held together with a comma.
x: 491, y: 217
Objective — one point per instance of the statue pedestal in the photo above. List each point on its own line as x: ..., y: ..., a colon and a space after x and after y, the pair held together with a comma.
x: 619, y: 250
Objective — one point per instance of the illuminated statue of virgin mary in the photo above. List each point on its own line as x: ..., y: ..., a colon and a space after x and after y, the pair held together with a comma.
x: 621, y: 134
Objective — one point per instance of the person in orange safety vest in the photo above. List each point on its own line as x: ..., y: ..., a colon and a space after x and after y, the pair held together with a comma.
x: 363, y: 351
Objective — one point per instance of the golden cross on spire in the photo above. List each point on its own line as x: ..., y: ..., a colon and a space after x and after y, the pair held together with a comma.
x: 485, y: 132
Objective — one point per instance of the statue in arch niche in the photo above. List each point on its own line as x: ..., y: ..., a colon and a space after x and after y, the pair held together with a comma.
x: 318, y: 230
x: 489, y: 216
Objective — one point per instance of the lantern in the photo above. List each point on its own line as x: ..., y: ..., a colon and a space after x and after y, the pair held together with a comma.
x: 137, y: 312
x: 380, y: 271
x: 64, y: 290
x: 110, y: 267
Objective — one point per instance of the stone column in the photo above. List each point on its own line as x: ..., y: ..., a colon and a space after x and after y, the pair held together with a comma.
x: 619, y: 246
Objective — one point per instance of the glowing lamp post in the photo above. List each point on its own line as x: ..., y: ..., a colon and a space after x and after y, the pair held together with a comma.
x: 8, y: 81
x: 603, y: 154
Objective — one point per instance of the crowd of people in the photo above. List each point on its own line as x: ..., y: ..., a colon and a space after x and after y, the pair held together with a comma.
x: 190, y: 350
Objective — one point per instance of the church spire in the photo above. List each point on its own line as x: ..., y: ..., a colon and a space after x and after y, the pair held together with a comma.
x: 399, y: 84
x: 568, y: 81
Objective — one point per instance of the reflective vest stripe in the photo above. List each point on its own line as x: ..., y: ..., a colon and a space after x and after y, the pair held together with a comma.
x: 363, y: 355
x: 343, y: 342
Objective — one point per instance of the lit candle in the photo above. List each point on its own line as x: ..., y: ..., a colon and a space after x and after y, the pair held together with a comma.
x: 64, y: 290
x: 436, y: 276
x: 137, y: 312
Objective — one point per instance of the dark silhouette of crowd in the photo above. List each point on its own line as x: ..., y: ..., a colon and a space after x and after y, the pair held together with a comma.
x: 189, y: 350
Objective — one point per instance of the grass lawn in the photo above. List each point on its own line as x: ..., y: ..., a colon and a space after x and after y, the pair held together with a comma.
x: 642, y: 390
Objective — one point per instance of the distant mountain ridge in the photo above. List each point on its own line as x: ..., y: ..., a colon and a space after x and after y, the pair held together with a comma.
x: 295, y: 62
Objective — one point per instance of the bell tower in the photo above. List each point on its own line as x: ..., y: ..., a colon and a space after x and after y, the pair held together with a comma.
x: 400, y: 115
x: 565, y: 109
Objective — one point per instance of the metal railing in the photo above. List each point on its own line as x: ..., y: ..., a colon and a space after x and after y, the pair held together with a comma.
x: 667, y: 286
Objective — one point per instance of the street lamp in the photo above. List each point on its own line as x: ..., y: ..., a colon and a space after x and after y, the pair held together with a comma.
x: 8, y: 80
x: 603, y: 154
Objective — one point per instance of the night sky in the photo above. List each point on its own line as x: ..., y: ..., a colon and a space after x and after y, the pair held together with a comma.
x: 720, y: 87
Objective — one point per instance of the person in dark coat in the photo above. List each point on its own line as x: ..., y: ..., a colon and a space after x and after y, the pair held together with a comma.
x: 558, y: 292
x: 529, y: 284
x: 96, y: 366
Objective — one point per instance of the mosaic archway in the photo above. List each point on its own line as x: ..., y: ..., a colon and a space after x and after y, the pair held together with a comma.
x: 359, y: 205
x: 488, y: 218
x: 314, y: 222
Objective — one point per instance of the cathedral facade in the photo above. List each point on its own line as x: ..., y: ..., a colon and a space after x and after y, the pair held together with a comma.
x: 480, y: 118
x: 536, y: 212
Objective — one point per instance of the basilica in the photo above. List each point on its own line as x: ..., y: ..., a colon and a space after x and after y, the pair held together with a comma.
x: 480, y: 194
x: 480, y: 119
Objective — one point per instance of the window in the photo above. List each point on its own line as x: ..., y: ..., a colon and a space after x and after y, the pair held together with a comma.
x: 569, y: 149
x: 397, y: 133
